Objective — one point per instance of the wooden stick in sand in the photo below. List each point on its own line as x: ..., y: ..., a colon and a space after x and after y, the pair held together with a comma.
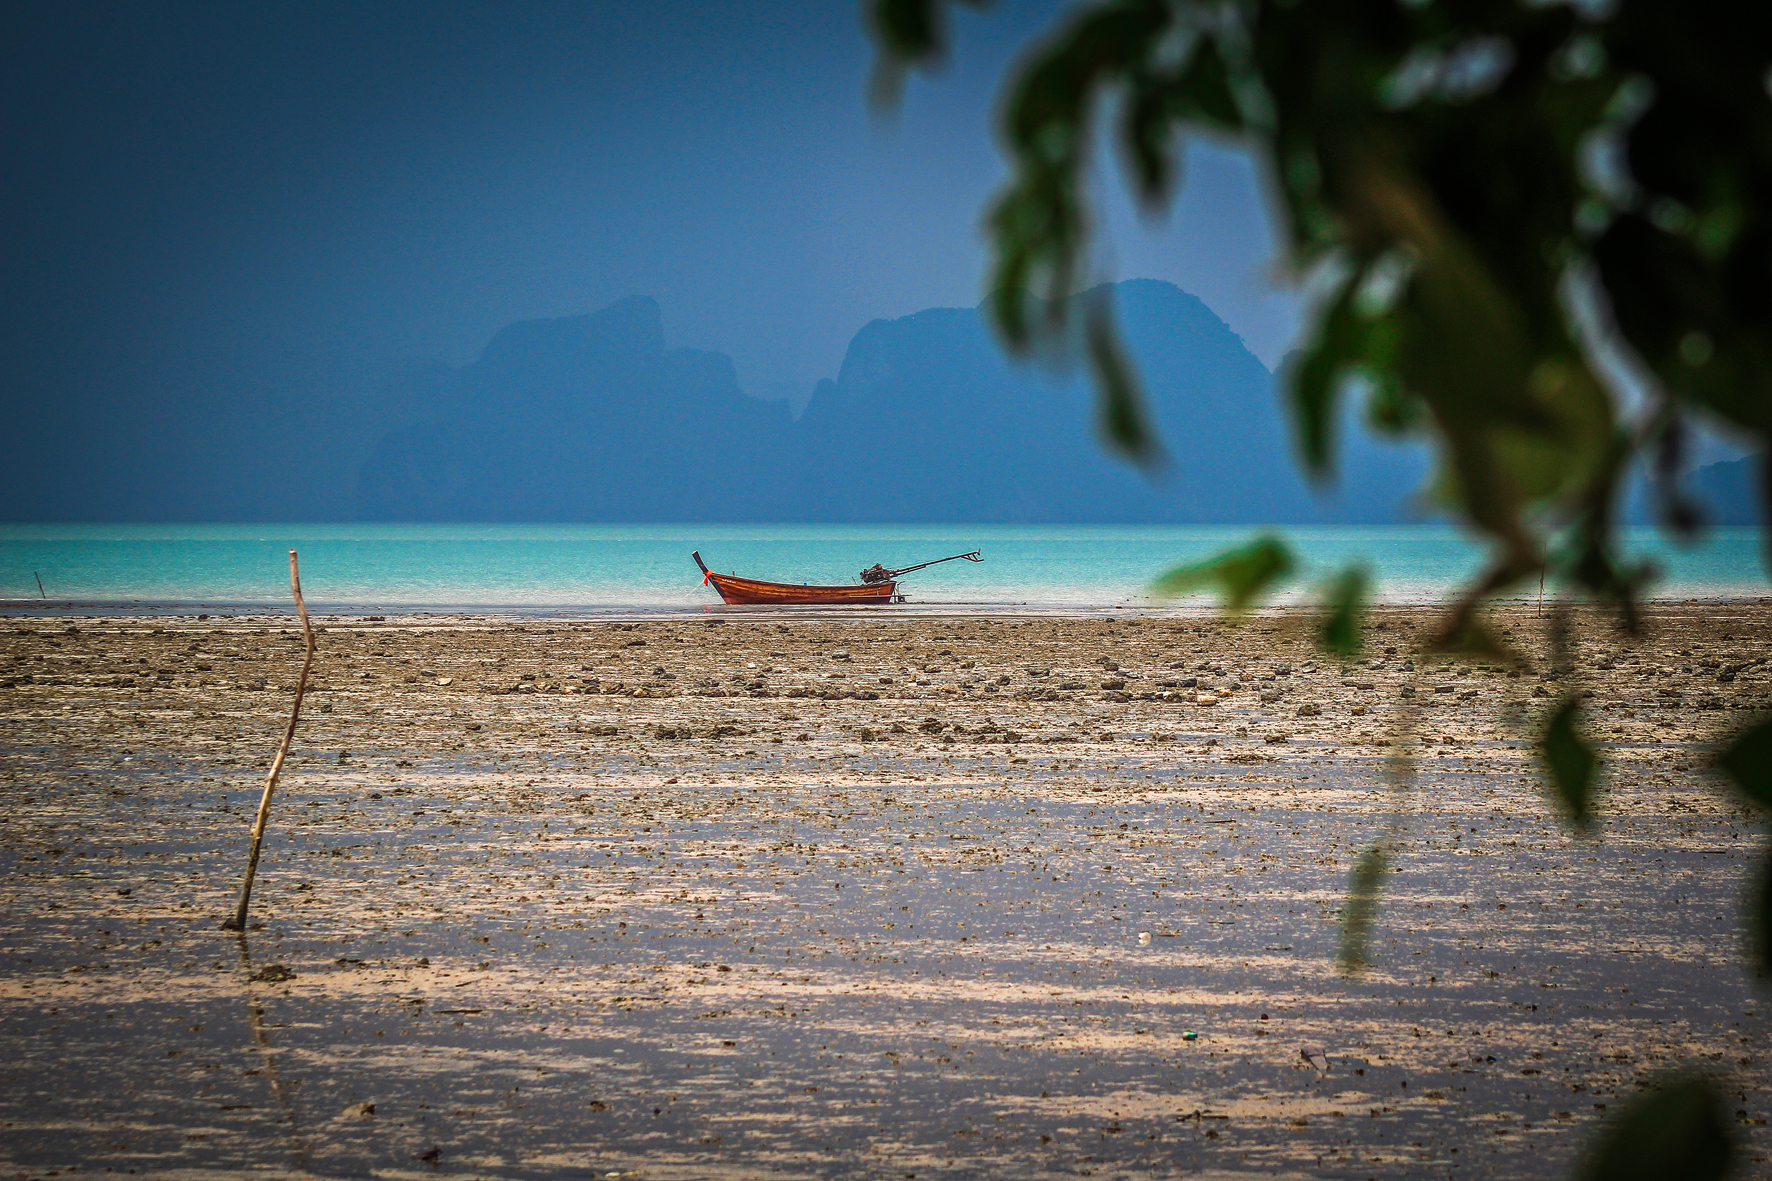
x: 238, y: 922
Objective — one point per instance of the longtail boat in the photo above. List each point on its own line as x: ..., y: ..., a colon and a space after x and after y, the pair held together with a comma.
x: 878, y: 585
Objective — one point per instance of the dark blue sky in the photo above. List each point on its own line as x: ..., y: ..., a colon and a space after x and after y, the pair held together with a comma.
x: 221, y: 219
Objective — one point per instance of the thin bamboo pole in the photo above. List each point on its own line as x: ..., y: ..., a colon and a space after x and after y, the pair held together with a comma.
x: 238, y: 921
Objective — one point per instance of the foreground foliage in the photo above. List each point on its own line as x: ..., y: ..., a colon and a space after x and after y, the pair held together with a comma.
x: 1500, y: 204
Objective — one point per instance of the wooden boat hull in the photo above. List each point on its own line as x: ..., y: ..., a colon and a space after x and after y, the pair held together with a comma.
x: 755, y: 592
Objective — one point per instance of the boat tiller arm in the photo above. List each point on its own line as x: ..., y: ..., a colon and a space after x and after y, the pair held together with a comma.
x: 971, y: 557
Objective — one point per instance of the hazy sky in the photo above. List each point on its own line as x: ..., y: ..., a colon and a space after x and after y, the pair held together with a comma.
x: 233, y: 209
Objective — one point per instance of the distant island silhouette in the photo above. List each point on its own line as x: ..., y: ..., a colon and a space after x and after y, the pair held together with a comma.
x: 594, y: 418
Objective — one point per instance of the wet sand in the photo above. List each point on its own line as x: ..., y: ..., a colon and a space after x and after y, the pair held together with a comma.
x: 876, y: 896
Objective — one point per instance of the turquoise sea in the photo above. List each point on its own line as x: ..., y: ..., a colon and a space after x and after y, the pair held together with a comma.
x: 602, y: 569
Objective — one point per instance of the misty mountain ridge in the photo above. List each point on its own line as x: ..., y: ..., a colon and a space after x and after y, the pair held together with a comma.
x: 595, y: 418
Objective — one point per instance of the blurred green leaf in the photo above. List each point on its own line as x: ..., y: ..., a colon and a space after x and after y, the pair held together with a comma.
x: 1347, y: 341
x: 1392, y: 410
x: 1677, y: 1132
x: 1748, y: 761
x: 909, y: 30
x: 908, y: 33
x: 1241, y: 575
x: 1466, y: 635
x: 1204, y: 94
x: 1346, y: 599
x: 1315, y: 384
x: 1365, y: 885
x: 1147, y: 130
x: 1759, y: 919
x: 1675, y: 508
x: 1159, y: 101
x: 1123, y: 422
x: 1569, y: 762
x: 1038, y: 223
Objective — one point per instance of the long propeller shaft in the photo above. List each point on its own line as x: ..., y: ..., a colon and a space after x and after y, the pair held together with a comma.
x: 971, y: 557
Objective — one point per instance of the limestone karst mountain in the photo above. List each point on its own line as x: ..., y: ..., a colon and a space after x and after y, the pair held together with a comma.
x: 593, y: 418
x: 589, y: 418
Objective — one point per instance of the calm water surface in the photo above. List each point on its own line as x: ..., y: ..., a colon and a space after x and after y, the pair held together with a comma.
x: 623, y: 568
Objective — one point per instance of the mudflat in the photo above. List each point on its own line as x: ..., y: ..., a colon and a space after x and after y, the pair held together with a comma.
x: 804, y: 896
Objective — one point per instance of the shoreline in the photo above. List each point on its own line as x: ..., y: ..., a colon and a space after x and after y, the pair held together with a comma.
x: 645, y: 572
x: 544, y: 612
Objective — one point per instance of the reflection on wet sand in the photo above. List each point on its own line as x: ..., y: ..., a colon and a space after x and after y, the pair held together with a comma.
x: 255, y: 1019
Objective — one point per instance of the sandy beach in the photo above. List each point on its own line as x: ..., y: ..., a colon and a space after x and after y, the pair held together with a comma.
x: 867, y: 896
